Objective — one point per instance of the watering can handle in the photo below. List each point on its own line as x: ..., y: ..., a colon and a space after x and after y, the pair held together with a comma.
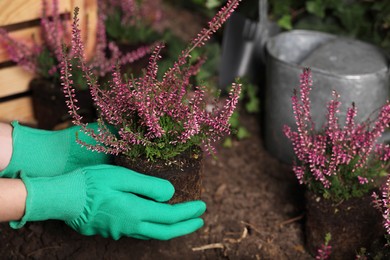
x: 263, y: 12
x: 262, y: 33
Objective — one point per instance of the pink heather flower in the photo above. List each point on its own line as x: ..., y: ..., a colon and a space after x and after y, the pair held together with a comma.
x: 324, y: 252
x: 100, y: 62
x: 382, y: 203
x: 19, y: 52
x: 349, y: 155
x: 132, y: 12
x: 147, y: 111
x: 362, y: 180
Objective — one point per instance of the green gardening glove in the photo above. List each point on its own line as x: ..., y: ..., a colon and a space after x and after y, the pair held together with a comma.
x: 111, y: 201
x: 45, y: 153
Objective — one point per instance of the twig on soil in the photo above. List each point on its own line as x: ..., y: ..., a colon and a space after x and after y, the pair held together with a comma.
x: 251, y: 226
x: 42, y: 249
x: 234, y: 241
x: 222, y: 245
x: 291, y: 220
x: 209, y: 246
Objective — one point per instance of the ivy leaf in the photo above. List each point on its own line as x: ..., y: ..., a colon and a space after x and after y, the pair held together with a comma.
x: 285, y: 22
x: 352, y: 18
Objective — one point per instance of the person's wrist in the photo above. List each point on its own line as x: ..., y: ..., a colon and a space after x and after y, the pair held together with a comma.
x: 62, y: 197
x: 12, y: 199
x: 6, y: 145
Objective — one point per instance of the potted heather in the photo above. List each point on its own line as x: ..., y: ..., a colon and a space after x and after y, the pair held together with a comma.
x: 43, y: 59
x: 131, y: 25
x: 160, y: 124
x: 131, y: 22
x: 340, y: 167
x: 382, y: 204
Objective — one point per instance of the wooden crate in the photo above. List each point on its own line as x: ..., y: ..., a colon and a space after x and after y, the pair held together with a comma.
x: 21, y: 17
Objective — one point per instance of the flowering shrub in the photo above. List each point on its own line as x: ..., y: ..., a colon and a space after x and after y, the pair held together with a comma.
x: 43, y: 59
x: 337, y: 162
x: 157, y: 119
x: 382, y: 203
x: 325, y: 250
x: 131, y: 21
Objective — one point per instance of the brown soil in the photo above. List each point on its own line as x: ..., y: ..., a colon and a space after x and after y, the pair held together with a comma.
x: 254, y: 211
x: 183, y: 171
x: 353, y: 224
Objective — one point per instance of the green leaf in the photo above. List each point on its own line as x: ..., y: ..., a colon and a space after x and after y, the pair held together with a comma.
x: 242, y: 133
x: 234, y: 120
x: 285, y: 22
x: 228, y: 143
x: 328, y: 237
x: 253, y: 106
x: 210, y: 4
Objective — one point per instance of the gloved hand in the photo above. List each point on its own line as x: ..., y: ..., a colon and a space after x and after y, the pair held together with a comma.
x: 42, y: 153
x: 110, y: 201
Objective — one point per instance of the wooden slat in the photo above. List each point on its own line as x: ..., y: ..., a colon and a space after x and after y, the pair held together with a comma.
x: 17, y: 11
x: 24, y: 36
x: 14, y: 80
x: 88, y: 20
x: 19, y: 109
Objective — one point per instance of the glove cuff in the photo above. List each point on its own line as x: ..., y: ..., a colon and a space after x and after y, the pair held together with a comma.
x: 62, y: 197
x: 11, y: 171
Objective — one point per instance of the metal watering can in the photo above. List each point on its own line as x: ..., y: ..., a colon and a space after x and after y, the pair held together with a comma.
x: 358, y: 71
x: 243, y: 46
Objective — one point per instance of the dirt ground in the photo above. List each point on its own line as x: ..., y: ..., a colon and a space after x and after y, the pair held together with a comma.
x: 254, y: 211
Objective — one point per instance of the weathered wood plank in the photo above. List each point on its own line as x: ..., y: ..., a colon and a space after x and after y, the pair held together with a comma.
x: 25, y: 36
x: 17, y: 11
x: 19, y: 109
x: 14, y: 80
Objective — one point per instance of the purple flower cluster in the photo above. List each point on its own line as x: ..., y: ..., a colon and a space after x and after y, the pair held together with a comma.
x: 103, y: 64
x: 54, y: 33
x: 336, y: 152
x: 324, y: 252
x: 152, y: 112
x: 382, y: 203
x: 132, y: 11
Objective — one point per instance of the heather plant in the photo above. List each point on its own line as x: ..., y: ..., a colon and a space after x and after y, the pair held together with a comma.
x: 382, y: 203
x: 325, y: 250
x: 154, y: 118
x: 39, y: 58
x: 131, y: 21
x: 338, y: 162
x: 250, y: 104
x: 43, y: 58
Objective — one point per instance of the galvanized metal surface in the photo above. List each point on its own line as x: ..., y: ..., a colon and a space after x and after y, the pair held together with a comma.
x: 358, y: 71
